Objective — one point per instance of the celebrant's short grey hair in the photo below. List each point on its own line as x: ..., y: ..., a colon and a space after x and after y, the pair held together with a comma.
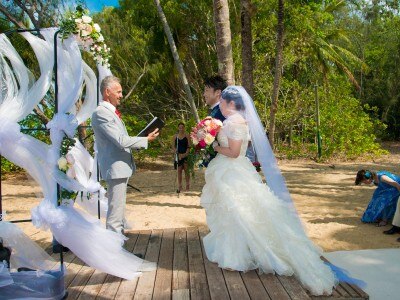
x: 107, y: 82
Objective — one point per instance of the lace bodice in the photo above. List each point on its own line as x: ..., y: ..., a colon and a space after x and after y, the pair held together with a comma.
x: 235, y: 127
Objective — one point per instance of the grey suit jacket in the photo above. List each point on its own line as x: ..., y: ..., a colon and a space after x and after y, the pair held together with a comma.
x: 114, y: 144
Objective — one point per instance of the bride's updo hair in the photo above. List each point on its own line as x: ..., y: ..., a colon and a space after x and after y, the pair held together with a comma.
x: 232, y: 94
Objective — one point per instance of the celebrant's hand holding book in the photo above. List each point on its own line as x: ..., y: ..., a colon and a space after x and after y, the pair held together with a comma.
x: 151, y: 129
x: 153, y: 135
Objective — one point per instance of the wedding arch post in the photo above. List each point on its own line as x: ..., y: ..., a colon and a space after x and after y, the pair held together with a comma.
x: 97, y: 169
x: 35, y: 129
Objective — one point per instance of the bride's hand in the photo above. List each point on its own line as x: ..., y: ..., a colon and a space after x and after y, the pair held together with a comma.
x: 215, y: 145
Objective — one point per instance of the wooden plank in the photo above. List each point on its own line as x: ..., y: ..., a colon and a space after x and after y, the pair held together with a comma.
x: 184, y: 272
x: 68, y: 258
x: 180, y: 274
x: 215, y: 278
x: 360, y: 292
x: 235, y: 285
x: 93, y: 286
x: 138, y: 245
x: 274, y: 287
x: 342, y: 292
x: 335, y: 295
x: 109, y: 288
x: 350, y: 290
x: 163, y: 283
x: 72, y: 270
x: 254, y: 286
x: 198, y: 281
x: 79, y: 282
x: 183, y: 294
x: 145, y: 286
x: 293, y: 287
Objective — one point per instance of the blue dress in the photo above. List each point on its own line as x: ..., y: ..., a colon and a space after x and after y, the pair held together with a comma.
x: 384, y: 200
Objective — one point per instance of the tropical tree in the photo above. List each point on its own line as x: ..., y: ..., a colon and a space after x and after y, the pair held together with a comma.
x: 246, y: 12
x: 278, y: 72
x: 177, y: 60
x: 223, y: 40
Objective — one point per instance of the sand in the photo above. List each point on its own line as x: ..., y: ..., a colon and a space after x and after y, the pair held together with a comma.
x: 325, y: 196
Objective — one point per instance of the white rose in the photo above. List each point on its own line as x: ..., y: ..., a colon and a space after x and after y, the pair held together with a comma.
x: 84, y: 33
x: 62, y: 163
x: 88, y: 28
x: 218, y: 122
x: 78, y: 20
x: 209, y: 139
x: 201, y: 134
x: 81, y: 26
x: 195, y: 141
x: 100, y: 38
x: 86, y: 19
x: 96, y: 27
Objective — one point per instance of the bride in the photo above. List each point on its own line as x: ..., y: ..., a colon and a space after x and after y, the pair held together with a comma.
x: 252, y: 225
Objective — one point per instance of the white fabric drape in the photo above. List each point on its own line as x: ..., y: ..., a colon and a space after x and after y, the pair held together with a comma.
x: 84, y: 235
x: 85, y: 172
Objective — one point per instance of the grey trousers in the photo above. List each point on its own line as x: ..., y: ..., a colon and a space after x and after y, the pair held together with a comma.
x: 116, y: 194
x: 396, y: 218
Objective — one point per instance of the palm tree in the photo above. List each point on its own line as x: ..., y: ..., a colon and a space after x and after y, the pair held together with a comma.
x: 247, y: 46
x: 223, y: 40
x: 278, y: 72
x: 329, y: 51
x: 177, y: 60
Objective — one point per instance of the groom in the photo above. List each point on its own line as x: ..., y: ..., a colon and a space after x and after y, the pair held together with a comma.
x: 114, y: 150
x: 213, y: 87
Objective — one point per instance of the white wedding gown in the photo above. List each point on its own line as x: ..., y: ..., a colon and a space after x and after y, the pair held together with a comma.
x: 250, y: 228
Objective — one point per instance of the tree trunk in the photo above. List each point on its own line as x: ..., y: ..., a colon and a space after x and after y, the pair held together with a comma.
x: 177, y: 60
x: 278, y: 73
x: 224, y: 41
x: 247, y: 47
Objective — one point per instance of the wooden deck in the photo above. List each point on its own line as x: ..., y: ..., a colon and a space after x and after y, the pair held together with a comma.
x: 184, y: 273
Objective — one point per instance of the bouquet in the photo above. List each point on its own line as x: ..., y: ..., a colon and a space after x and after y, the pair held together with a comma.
x: 203, y: 136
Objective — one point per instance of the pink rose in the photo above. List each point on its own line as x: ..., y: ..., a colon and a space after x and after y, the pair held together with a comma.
x: 213, y: 132
x: 202, y: 143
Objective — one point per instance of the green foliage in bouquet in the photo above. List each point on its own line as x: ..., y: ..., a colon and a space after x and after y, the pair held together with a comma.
x: 199, y: 157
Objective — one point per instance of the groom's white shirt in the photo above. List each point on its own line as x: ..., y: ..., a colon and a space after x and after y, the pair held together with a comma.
x: 114, y: 143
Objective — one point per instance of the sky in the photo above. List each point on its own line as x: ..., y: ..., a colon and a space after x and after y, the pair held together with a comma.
x: 97, y: 5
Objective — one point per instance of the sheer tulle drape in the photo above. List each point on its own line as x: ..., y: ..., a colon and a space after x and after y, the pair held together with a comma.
x: 84, y: 235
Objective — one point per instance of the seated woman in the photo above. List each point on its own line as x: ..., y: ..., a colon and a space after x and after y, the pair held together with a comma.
x: 382, y: 206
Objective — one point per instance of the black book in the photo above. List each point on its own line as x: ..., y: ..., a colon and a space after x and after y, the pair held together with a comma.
x: 155, y: 123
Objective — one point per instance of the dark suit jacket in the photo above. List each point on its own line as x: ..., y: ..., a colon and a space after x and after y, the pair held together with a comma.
x: 216, y: 113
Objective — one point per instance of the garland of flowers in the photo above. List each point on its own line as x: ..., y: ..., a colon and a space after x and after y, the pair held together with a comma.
x: 87, y: 33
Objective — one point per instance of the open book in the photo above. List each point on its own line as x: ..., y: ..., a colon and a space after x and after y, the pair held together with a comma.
x: 155, y: 123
